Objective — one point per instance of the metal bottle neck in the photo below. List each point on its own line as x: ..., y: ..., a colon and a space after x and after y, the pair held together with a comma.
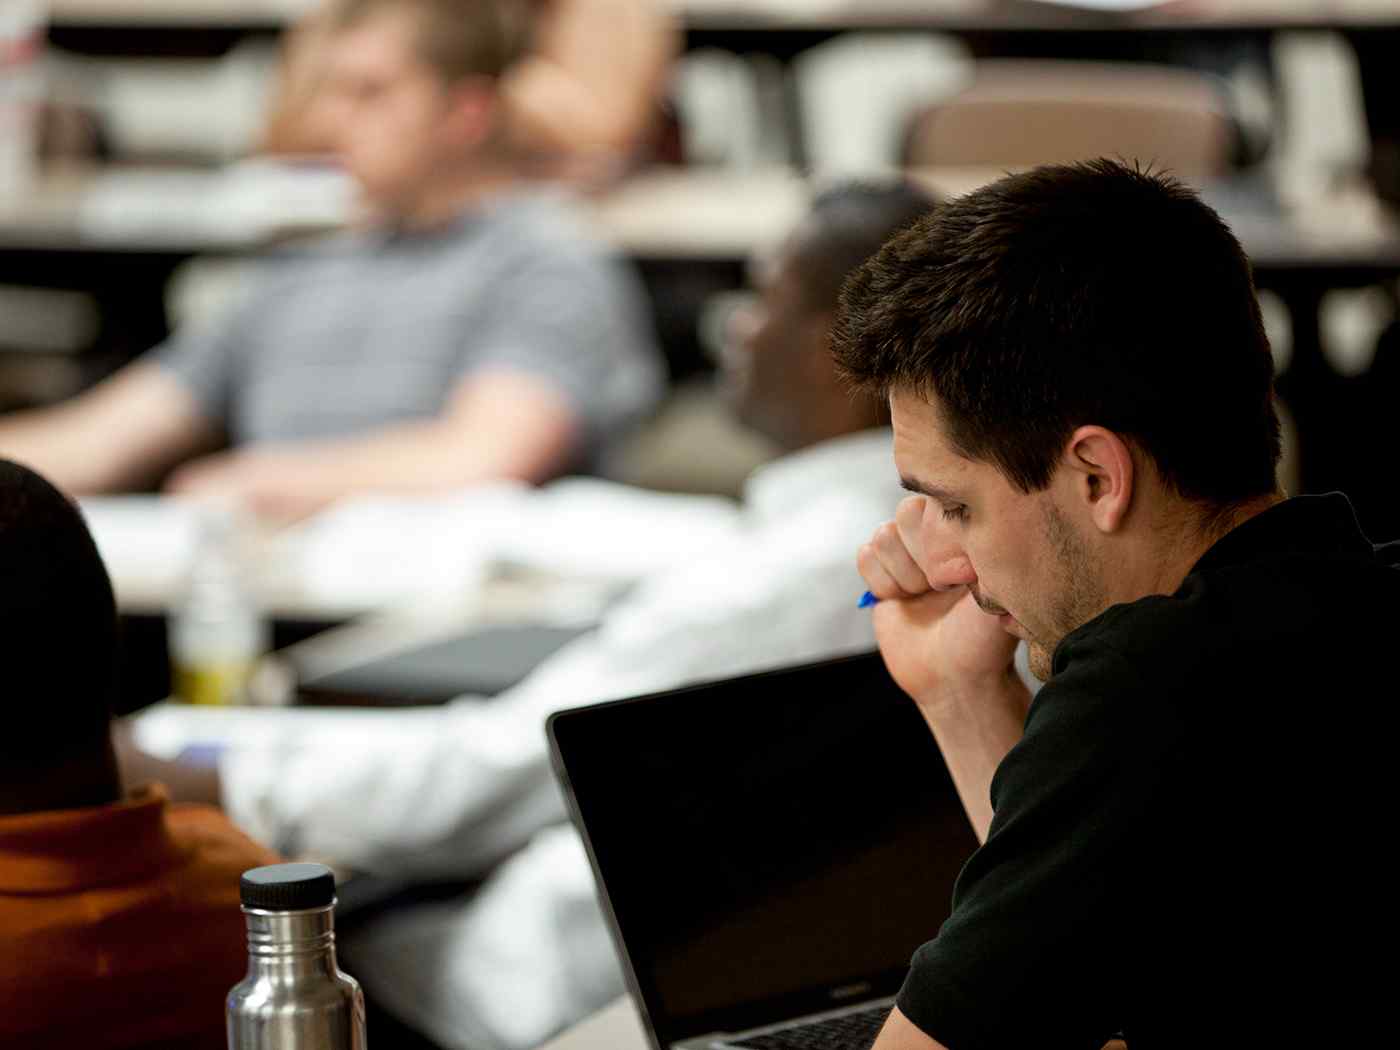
x: 291, y: 944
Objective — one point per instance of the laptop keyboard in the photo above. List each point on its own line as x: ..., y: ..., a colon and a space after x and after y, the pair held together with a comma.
x: 853, y: 1031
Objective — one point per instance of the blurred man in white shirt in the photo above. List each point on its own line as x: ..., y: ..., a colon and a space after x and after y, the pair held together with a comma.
x: 449, y: 793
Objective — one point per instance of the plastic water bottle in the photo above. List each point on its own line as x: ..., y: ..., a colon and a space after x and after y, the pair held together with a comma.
x: 217, y: 631
x: 295, y: 997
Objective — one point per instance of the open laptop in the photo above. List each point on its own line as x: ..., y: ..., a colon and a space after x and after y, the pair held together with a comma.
x: 769, y: 850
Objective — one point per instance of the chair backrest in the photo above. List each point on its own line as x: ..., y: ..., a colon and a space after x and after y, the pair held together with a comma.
x: 1017, y: 114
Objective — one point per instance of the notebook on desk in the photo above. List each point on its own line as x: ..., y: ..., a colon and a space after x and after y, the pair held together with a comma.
x: 482, y: 661
x: 769, y: 850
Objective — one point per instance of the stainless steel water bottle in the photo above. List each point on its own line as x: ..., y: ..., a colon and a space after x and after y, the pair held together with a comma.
x: 294, y: 997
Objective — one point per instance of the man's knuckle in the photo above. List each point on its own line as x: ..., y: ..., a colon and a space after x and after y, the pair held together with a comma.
x: 867, y: 563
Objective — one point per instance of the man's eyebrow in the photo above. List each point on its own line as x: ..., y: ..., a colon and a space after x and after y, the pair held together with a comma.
x: 933, y: 492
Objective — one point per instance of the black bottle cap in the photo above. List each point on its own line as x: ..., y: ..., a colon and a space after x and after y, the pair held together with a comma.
x: 287, y: 887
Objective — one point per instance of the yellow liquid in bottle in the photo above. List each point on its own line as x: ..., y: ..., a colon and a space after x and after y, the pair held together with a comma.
x: 213, y: 684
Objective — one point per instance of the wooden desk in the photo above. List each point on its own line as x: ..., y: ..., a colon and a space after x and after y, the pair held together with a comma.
x: 665, y: 214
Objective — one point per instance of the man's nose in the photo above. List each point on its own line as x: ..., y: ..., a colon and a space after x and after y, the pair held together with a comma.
x: 945, y: 562
x: 949, y: 568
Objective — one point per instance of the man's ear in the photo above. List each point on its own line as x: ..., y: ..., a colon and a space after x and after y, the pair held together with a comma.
x: 1103, y: 474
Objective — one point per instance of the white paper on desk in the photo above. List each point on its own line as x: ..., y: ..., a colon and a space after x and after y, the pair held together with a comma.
x: 393, y: 549
x: 360, y: 555
x: 584, y: 527
x: 376, y: 552
x: 146, y: 542
x: 167, y: 729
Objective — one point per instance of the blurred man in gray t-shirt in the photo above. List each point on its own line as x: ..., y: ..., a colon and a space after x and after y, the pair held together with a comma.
x: 471, y: 329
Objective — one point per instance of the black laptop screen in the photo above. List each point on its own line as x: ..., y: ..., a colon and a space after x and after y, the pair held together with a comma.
x: 769, y: 846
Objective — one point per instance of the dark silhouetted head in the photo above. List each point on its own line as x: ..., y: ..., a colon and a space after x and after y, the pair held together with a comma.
x: 778, y: 367
x: 58, y: 631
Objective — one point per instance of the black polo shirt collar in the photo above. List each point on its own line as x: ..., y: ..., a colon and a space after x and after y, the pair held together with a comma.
x: 1300, y: 525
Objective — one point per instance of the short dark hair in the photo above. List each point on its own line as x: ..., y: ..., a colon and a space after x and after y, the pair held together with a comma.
x: 848, y: 223
x: 457, y: 38
x: 1092, y: 293
x: 58, y: 625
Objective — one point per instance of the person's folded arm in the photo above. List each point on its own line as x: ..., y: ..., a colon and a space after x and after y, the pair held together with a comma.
x: 292, y: 124
x: 127, y: 431
x: 595, y: 78
x: 497, y: 424
x: 955, y: 661
x: 561, y: 360
x: 124, y: 433
x: 417, y: 793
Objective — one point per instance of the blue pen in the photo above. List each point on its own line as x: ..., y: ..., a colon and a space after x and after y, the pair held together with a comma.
x: 867, y: 600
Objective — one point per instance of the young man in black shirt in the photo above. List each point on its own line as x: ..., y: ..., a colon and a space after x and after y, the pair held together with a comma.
x: 1179, y: 832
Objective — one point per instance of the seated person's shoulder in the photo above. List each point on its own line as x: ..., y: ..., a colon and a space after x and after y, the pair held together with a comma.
x: 1144, y: 644
x: 215, y: 846
x: 1270, y: 622
x: 549, y: 225
x: 540, y: 263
